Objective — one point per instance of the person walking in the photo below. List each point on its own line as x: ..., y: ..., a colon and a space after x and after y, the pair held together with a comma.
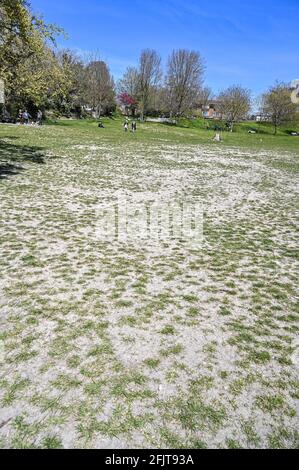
x: 39, y: 117
x: 20, y: 116
x: 126, y: 126
x: 26, y: 117
x: 134, y: 127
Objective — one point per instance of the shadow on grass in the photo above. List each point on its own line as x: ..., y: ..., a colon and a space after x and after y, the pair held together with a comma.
x: 170, y: 124
x: 12, y: 158
x: 7, y: 169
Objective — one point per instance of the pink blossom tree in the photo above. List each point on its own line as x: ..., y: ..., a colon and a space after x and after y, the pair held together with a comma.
x: 128, y: 102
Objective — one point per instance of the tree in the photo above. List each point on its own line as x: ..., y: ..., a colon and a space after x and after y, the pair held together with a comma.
x: 21, y: 33
x: 72, y: 67
x: 27, y: 64
x: 277, y: 105
x: 129, y: 83
x: 184, y: 80
x: 234, y: 104
x: 205, y: 96
x: 128, y: 88
x: 149, y: 77
x: 128, y: 102
x: 99, y: 85
x: 39, y: 81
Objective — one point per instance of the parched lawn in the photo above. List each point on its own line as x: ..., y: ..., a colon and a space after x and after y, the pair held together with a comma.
x: 111, y: 345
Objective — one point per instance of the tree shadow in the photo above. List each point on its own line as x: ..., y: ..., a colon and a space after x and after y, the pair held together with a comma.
x: 10, y: 137
x: 170, y: 124
x: 7, y: 169
x: 12, y: 158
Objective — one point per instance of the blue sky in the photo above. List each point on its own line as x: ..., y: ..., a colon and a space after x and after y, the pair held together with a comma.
x: 251, y: 42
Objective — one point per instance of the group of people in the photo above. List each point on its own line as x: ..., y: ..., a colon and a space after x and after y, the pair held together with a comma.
x: 126, y: 125
x: 24, y: 117
x: 133, y: 126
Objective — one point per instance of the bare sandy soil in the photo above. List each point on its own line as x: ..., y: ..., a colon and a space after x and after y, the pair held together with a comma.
x: 106, y: 344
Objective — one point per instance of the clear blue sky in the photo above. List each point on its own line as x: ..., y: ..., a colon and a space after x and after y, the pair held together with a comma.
x: 251, y: 42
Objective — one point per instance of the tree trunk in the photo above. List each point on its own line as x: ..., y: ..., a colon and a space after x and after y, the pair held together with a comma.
x: 142, y: 112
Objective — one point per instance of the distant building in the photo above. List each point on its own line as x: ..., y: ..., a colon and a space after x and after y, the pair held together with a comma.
x: 295, y: 84
x: 211, y: 110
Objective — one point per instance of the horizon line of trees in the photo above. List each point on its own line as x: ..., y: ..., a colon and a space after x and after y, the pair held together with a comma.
x: 38, y: 76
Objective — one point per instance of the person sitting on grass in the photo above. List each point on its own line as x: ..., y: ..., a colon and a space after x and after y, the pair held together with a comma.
x: 101, y: 125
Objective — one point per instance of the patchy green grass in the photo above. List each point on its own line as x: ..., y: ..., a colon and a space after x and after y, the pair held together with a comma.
x: 106, y: 343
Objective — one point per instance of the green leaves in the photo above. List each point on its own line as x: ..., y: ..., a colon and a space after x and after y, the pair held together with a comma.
x: 27, y: 64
